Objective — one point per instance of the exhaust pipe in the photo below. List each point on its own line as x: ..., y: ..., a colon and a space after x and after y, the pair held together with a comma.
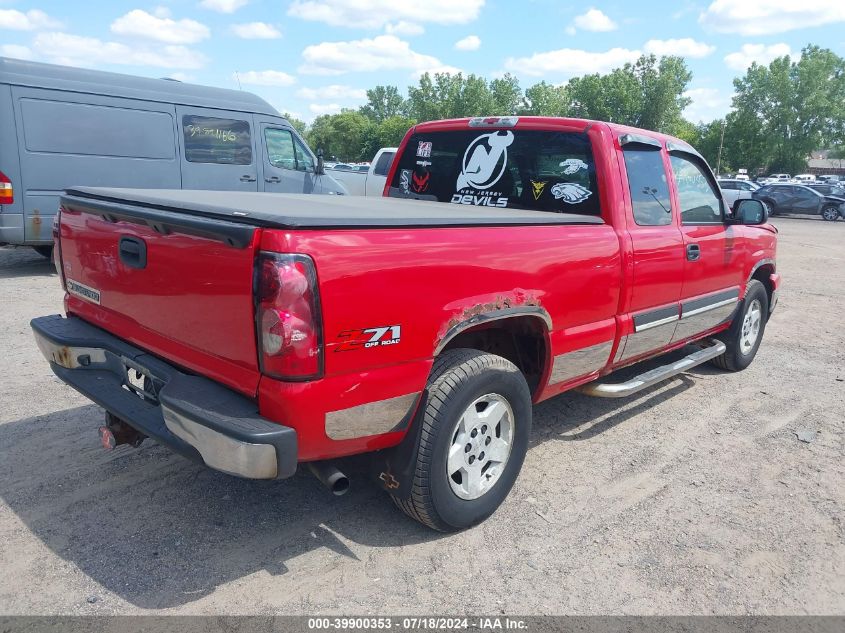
x: 330, y: 477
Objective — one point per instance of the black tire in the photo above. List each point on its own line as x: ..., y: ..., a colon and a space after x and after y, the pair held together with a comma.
x: 44, y: 251
x: 771, y: 205
x: 830, y: 213
x: 458, y: 378
x: 734, y: 359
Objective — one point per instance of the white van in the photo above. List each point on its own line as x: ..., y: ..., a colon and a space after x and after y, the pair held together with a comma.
x: 62, y: 127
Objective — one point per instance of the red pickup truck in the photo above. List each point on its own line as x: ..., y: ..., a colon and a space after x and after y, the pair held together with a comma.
x: 253, y: 332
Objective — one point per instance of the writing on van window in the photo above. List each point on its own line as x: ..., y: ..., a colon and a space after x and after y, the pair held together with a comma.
x: 216, y: 140
x: 223, y: 135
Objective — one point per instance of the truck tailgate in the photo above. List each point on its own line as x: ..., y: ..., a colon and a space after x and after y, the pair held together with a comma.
x: 184, y: 297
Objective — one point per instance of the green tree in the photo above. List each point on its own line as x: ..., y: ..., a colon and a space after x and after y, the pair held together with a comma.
x: 787, y: 109
x: 449, y: 96
x: 341, y: 136
x: 648, y: 94
x: 384, y: 102
x: 391, y: 131
x: 545, y: 99
x: 506, y: 96
x: 298, y: 124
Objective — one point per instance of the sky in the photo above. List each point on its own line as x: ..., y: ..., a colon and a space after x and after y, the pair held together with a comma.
x: 312, y: 57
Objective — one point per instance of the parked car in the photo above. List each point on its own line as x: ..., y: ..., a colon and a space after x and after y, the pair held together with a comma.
x: 735, y: 188
x: 804, y: 179
x: 832, y: 178
x: 742, y: 174
x: 779, y: 178
x: 542, y: 254
x: 369, y: 180
x: 61, y: 127
x: 787, y: 198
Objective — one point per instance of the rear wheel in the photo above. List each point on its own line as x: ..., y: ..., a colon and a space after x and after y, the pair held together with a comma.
x: 476, y: 421
x: 743, y: 338
x: 830, y: 213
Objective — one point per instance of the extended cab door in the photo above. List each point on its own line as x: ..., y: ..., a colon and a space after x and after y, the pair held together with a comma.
x: 658, y: 250
x: 287, y: 165
x: 714, y: 256
x: 218, y: 150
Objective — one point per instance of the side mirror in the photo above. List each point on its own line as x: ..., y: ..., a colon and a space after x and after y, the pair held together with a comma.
x: 750, y: 212
x: 321, y: 166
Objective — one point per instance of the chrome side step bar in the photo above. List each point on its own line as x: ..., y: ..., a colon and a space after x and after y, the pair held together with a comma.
x: 654, y: 376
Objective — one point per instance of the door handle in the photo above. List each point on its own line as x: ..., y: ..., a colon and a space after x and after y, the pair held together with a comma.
x: 132, y: 252
x: 272, y: 179
x: 693, y: 252
x: 248, y: 178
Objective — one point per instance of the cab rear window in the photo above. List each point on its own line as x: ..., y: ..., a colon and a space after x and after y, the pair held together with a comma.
x: 539, y: 170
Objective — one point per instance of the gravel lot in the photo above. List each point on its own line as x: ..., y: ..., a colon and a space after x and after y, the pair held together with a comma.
x: 696, y: 497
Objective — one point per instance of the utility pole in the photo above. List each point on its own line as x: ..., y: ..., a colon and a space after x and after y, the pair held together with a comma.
x: 719, y: 159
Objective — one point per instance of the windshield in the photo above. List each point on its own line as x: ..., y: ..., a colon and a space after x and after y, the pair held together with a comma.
x: 540, y: 170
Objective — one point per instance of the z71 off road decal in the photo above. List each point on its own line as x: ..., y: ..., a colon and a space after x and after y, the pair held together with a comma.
x: 369, y: 337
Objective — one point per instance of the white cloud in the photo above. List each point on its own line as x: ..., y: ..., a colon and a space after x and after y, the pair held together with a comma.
x: 685, y: 47
x: 256, y: 31
x: 766, y: 17
x: 469, y: 43
x: 570, y: 30
x: 570, y: 62
x: 408, y: 29
x: 30, y: 21
x: 16, y: 51
x: 75, y: 50
x: 329, y: 108
x: 266, y: 78
x: 760, y: 53
x: 707, y: 104
x: 595, y: 20
x: 375, y: 14
x: 138, y: 23
x: 223, y: 6
x: 334, y: 92
x: 384, y: 52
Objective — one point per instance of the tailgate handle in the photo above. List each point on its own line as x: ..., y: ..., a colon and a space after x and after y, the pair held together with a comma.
x: 133, y: 252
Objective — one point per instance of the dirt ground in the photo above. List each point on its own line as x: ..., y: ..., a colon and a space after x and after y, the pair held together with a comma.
x: 696, y: 497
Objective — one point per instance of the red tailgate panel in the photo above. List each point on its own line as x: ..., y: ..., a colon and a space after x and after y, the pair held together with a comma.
x: 191, y: 304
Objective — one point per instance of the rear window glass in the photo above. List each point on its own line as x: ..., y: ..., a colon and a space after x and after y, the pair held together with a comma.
x: 540, y: 170
x: 215, y: 140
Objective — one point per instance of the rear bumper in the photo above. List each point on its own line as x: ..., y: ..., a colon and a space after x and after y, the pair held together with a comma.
x: 196, y: 417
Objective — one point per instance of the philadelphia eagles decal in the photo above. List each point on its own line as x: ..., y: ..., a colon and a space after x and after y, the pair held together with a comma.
x: 570, y: 192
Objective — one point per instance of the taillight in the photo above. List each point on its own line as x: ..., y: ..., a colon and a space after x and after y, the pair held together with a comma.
x: 290, y: 337
x: 7, y: 193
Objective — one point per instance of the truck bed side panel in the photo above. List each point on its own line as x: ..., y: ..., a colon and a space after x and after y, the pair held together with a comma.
x: 420, y: 283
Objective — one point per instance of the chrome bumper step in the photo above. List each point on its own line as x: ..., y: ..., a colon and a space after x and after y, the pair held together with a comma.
x: 653, y: 376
